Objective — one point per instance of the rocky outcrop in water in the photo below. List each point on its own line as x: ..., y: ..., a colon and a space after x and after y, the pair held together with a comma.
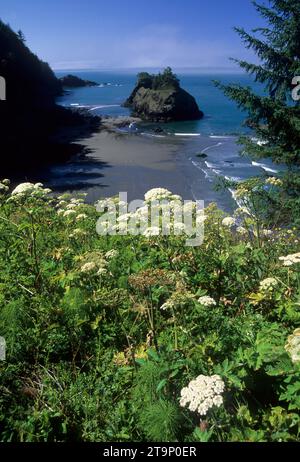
x: 71, y: 81
x: 159, y: 98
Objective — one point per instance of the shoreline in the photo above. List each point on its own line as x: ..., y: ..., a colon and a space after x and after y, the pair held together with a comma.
x: 106, y: 157
x: 114, y: 160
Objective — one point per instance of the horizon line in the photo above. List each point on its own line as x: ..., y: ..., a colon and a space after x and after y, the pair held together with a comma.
x: 231, y: 70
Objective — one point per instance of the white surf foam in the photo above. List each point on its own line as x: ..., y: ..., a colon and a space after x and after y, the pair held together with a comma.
x: 104, y: 106
x: 211, y: 147
x: 217, y: 137
x: 187, y: 134
x: 264, y: 167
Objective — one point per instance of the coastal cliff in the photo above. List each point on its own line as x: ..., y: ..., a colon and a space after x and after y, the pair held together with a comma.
x: 159, y: 98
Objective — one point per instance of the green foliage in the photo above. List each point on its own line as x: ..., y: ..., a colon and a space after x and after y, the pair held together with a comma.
x: 274, y: 116
x: 103, y: 333
x: 161, y: 81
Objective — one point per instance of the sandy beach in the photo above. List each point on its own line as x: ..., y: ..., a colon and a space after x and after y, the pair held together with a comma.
x: 115, y: 162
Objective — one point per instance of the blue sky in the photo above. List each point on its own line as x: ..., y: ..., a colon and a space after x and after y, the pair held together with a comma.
x: 93, y: 34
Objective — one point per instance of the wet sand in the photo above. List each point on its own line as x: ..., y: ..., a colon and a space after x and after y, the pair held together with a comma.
x: 120, y: 162
x: 113, y: 160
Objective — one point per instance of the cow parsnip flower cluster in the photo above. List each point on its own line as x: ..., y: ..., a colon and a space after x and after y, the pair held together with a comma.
x: 290, y: 260
x: 159, y: 194
x: 88, y: 267
x: 77, y: 233
x: 111, y: 254
x: 29, y: 189
x: 293, y: 346
x: 268, y: 284
x: 203, y: 394
x: 4, y: 186
x: 207, y: 301
x: 68, y: 213
x: 70, y: 207
x: 94, y: 262
x: 229, y: 222
x: 178, y: 299
x: 81, y: 216
x: 167, y: 208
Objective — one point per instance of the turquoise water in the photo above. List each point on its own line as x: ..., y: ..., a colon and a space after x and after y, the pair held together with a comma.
x: 221, y: 115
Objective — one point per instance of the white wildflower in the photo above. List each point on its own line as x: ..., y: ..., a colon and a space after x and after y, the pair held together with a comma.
x: 179, y: 228
x: 124, y: 218
x: 103, y: 204
x: 176, y: 198
x: 293, y: 346
x: 61, y: 203
x: 78, y: 233
x: 29, y: 188
x: 6, y: 182
x: 111, y: 254
x: 290, y: 260
x: 207, y: 301
x: 121, y: 227
x: 23, y: 188
x: 201, y: 219
x: 228, y: 222
x: 88, y: 267
x: 68, y: 213
x: 81, y: 216
x: 153, y: 231
x: 157, y: 194
x: 38, y: 186
x: 268, y: 284
x: 202, y: 394
x: 267, y: 232
x: 169, y: 305
x: 142, y: 211
x: 3, y: 188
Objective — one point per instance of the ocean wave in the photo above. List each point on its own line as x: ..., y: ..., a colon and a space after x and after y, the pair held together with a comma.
x: 104, y: 106
x: 219, y: 137
x: 211, y: 147
x: 210, y: 165
x: 187, y: 134
x: 265, y: 167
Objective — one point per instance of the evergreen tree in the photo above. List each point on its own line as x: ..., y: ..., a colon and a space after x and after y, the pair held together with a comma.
x: 274, y: 116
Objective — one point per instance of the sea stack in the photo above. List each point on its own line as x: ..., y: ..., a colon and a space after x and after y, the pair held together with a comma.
x: 159, y: 98
x: 72, y: 81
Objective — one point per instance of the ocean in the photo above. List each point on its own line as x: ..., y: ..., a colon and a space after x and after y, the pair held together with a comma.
x: 215, y: 135
x: 222, y: 117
